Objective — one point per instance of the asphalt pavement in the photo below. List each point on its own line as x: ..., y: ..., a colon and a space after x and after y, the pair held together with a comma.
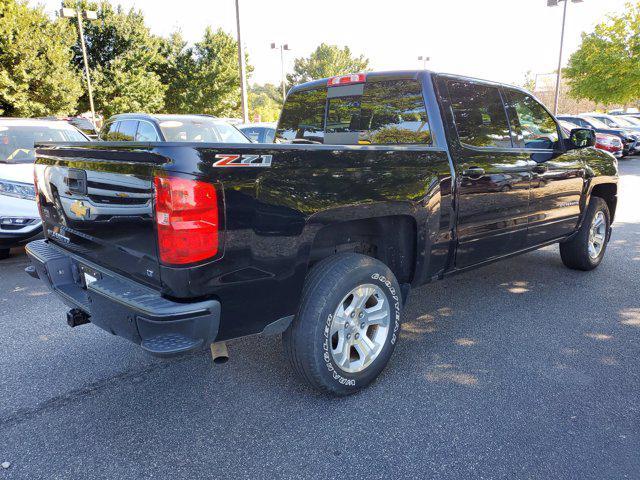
x: 522, y: 369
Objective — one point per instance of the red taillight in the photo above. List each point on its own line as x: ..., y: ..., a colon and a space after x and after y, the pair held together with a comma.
x: 187, y: 220
x: 347, y: 79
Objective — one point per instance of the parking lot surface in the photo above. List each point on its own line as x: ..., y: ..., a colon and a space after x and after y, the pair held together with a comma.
x: 522, y: 369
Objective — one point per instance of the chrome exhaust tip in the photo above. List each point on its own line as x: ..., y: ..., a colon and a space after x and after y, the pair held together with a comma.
x: 219, y: 353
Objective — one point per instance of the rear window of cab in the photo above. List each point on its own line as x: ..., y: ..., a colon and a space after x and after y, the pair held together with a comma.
x: 388, y: 112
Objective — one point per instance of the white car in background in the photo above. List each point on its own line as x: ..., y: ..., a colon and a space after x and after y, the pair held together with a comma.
x: 19, y: 218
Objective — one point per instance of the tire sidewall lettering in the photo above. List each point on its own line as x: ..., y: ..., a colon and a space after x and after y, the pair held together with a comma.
x: 334, y: 371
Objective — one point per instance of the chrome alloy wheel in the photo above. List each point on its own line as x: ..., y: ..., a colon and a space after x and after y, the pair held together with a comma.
x: 597, y: 235
x: 359, y: 328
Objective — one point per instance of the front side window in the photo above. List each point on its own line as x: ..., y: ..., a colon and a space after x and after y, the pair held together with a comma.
x: 535, y: 127
x: 479, y: 114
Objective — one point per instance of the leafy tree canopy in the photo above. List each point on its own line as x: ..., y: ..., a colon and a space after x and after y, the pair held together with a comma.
x: 265, y: 102
x: 36, y: 77
x: 204, y: 78
x: 326, y: 61
x: 606, y: 67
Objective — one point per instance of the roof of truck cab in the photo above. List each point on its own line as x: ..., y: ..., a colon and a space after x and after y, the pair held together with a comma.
x: 401, y: 74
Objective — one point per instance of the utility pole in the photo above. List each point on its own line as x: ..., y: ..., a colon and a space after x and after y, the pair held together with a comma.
x: 554, y: 3
x: 283, y: 80
x: 89, y: 15
x: 243, y: 77
x: 424, y: 61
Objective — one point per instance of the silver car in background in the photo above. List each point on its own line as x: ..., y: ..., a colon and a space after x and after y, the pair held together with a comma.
x: 19, y: 218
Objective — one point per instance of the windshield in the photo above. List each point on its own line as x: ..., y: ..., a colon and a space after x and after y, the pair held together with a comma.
x: 595, y: 123
x: 16, y: 142
x: 201, y: 130
x: 622, y: 122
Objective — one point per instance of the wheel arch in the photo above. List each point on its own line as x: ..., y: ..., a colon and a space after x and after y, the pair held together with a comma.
x: 608, y: 191
x: 392, y: 239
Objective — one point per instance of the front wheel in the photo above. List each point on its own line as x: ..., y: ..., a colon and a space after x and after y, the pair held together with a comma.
x: 586, y: 249
x: 347, y: 324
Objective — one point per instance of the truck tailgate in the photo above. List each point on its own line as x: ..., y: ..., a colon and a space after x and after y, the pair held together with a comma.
x: 98, y: 203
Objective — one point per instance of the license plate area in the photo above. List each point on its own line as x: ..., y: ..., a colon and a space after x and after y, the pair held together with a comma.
x: 88, y: 275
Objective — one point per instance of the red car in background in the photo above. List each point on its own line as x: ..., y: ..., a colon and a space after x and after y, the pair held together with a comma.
x: 609, y: 143
x: 604, y: 141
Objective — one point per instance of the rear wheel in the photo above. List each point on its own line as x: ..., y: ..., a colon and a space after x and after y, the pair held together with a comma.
x: 586, y: 249
x: 5, y: 253
x: 347, y: 324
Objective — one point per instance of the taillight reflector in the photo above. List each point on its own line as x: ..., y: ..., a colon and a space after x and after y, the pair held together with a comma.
x: 347, y: 79
x: 187, y: 220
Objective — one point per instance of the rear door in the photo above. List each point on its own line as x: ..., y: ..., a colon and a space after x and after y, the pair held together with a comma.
x: 492, y: 180
x: 557, y: 175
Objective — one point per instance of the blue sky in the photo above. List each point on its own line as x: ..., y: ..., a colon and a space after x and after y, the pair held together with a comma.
x: 495, y: 39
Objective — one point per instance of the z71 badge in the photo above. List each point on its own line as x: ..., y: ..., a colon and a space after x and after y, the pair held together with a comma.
x: 243, y: 160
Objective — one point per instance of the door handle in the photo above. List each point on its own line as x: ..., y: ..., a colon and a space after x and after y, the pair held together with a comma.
x: 540, y: 169
x: 473, y: 172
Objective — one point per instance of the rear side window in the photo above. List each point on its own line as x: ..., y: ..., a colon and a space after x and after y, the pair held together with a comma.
x: 127, y: 130
x: 479, y: 114
x: 110, y: 132
x: 146, y: 133
x: 376, y: 113
x: 535, y: 128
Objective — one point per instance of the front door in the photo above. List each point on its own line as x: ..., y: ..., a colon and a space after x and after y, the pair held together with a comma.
x: 557, y: 179
x: 492, y: 180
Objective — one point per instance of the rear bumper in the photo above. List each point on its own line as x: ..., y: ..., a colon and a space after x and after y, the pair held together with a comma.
x: 125, y: 308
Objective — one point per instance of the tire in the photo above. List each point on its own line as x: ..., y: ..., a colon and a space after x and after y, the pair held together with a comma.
x: 330, y: 295
x: 5, y: 253
x: 575, y: 253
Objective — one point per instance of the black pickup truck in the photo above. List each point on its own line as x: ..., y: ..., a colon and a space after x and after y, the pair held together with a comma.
x: 376, y: 183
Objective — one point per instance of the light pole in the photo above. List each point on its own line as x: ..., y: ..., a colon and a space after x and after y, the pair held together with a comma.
x: 554, y: 3
x: 243, y: 77
x: 282, y: 49
x: 89, y: 15
x: 424, y: 61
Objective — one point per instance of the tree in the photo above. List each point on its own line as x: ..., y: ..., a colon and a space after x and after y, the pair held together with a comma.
x: 529, y: 82
x: 326, y: 61
x: 125, y: 59
x: 126, y: 85
x: 205, y: 78
x: 36, y: 76
x: 606, y: 67
x: 265, y: 102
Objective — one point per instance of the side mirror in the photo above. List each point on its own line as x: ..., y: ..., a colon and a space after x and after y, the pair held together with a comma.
x: 582, y: 138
